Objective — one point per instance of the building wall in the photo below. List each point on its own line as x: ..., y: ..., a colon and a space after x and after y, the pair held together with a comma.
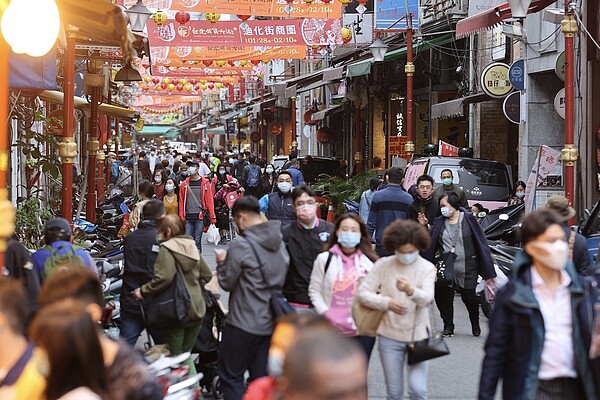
x: 493, y: 126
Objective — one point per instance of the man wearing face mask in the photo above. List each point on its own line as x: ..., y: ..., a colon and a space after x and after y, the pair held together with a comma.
x: 196, y: 196
x: 540, y: 330
x: 254, y: 266
x: 278, y: 206
x: 448, y: 187
x: 304, y: 239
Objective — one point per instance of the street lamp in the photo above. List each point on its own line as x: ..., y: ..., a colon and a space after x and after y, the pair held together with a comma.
x: 378, y: 49
x: 518, y: 8
x: 128, y: 74
x: 138, y: 15
x: 37, y: 35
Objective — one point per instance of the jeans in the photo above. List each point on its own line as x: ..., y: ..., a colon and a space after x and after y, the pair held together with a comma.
x: 182, y: 340
x: 132, y: 325
x: 241, y: 351
x: 393, y: 354
x: 195, y: 229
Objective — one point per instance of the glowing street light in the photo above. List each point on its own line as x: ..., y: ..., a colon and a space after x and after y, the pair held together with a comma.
x: 31, y: 26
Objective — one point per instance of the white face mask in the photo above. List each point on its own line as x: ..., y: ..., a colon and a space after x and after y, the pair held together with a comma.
x: 556, y: 253
x: 407, y: 258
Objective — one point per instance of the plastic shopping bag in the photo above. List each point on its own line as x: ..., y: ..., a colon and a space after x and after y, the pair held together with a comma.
x: 212, y: 235
x: 491, y: 288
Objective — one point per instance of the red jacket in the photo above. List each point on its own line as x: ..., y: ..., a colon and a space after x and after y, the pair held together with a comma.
x: 207, y: 199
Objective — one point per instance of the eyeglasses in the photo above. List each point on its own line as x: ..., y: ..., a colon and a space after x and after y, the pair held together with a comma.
x: 305, y: 203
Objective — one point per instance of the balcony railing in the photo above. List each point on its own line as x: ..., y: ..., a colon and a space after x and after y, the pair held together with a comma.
x: 441, y: 14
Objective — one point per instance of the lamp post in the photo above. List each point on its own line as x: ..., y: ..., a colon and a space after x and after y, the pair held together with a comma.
x: 138, y: 16
x: 378, y: 49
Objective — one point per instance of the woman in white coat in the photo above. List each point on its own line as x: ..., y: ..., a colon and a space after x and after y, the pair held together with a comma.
x: 337, y: 274
x: 402, y: 285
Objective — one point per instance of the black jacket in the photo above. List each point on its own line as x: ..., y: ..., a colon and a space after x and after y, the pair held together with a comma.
x: 581, y: 257
x: 19, y: 265
x: 281, y: 208
x: 430, y: 207
x: 303, y: 246
x: 140, y: 251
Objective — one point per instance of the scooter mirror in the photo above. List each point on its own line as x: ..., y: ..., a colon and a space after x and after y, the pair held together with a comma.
x: 503, y: 217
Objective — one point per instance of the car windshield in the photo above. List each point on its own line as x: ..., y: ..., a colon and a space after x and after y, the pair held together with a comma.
x: 481, y: 180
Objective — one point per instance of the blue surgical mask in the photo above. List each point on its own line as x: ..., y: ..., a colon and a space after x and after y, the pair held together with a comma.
x: 184, y: 173
x: 222, y: 171
x: 284, y: 187
x: 157, y: 179
x: 349, y: 240
x: 520, y: 194
x: 447, y: 181
x: 169, y: 187
x: 446, y: 211
x: 191, y: 171
x: 407, y: 258
x: 269, y: 170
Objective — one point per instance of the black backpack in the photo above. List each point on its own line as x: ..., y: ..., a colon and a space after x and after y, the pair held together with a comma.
x: 253, y: 178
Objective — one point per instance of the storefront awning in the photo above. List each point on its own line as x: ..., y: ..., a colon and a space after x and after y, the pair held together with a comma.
x: 359, y: 68
x: 228, y: 116
x: 198, y: 127
x: 167, y: 131
x: 494, y: 16
x: 56, y: 97
x: 216, y: 130
x: 319, y: 115
x: 455, y: 108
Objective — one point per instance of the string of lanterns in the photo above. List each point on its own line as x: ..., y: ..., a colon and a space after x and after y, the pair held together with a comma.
x: 150, y: 110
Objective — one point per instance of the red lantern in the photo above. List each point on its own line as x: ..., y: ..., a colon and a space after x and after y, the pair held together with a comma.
x: 196, y: 87
x: 326, y: 1
x: 175, y: 81
x: 231, y: 62
x: 211, y: 86
x: 179, y: 87
x: 210, y: 135
x: 324, y: 135
x: 163, y: 86
x: 308, y: 118
x: 193, y: 81
x: 244, y: 17
x: 155, y: 80
x: 207, y: 63
x: 275, y: 128
x: 363, y: 2
x: 183, y: 17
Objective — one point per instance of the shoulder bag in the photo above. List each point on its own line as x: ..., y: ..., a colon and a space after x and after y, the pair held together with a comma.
x: 205, y: 212
x: 366, y: 319
x: 426, y: 349
x: 444, y: 262
x: 279, y: 304
x: 170, y: 307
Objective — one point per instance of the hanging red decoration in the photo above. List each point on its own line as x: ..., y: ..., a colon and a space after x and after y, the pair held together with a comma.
x: 175, y: 81
x: 231, y: 62
x: 196, y: 87
x: 193, y: 81
x: 244, y: 17
x: 183, y: 17
x: 163, y: 86
x: 155, y: 80
x: 324, y: 135
x: 207, y: 63
x: 179, y: 87
x: 326, y: 1
x: 275, y: 128
x: 308, y: 118
x: 211, y: 86
x: 363, y: 2
x: 210, y: 135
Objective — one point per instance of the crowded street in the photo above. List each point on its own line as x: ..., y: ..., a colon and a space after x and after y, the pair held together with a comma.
x: 299, y: 200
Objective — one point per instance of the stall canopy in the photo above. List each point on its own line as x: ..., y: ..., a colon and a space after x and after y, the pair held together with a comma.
x: 166, y: 131
x: 455, y: 108
x: 124, y: 114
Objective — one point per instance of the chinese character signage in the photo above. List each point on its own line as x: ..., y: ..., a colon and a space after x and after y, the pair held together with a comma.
x: 282, y: 33
x: 494, y: 80
x: 192, y: 55
x: 446, y: 149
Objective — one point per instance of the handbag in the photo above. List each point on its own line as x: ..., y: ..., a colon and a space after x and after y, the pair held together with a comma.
x: 444, y: 263
x: 278, y: 303
x: 170, y: 307
x: 426, y: 349
x: 367, y: 319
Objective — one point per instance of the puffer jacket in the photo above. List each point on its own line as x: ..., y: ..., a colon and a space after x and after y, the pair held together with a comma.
x: 181, y: 251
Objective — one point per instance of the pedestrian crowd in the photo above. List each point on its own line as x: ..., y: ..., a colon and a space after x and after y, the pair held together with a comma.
x: 308, y: 299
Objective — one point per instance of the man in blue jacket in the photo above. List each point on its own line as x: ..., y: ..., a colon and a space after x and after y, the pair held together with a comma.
x: 388, y: 204
x: 297, y: 176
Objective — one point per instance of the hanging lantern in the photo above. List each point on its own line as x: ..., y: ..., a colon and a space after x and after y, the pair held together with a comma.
x: 345, y: 2
x: 163, y: 86
x: 221, y: 63
x: 231, y: 62
x: 203, y: 86
x: 324, y: 135
x: 197, y: 87
x: 183, y: 17
x: 155, y: 80
x: 308, y: 1
x: 211, y: 86
x: 346, y: 34
x: 243, y: 63
x: 188, y: 87
x: 148, y: 79
x: 193, y: 81
x: 175, y: 81
x: 308, y: 118
x: 219, y: 85
x: 159, y: 17
x: 183, y: 81
x: 203, y: 81
x: 166, y: 81
x: 170, y: 87
x: 207, y: 63
x: 326, y: 1
x: 179, y: 87
x: 212, y: 17
x: 244, y: 17
x: 210, y: 135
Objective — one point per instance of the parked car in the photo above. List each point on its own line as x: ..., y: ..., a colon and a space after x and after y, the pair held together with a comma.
x: 484, y: 181
x: 314, y: 166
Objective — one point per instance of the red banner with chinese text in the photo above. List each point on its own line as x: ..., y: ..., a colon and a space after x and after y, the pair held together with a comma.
x: 446, y: 149
x: 281, y: 33
x: 264, y: 8
x: 182, y: 55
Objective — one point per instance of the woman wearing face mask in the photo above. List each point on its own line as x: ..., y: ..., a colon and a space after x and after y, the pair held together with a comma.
x: 540, y: 330
x: 279, y: 205
x: 337, y: 274
x: 170, y: 200
x: 160, y: 178
x: 402, y: 285
x: 518, y: 195
x: 222, y: 184
x: 460, y: 231
x: 268, y: 180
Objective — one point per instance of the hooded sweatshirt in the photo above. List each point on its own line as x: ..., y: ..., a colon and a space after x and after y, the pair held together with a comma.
x: 251, y: 281
x: 180, y: 254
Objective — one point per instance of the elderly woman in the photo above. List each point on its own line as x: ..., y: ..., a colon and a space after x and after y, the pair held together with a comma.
x: 402, y: 285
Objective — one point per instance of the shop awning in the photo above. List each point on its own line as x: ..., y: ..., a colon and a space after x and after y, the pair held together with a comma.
x: 216, y: 130
x: 319, y: 115
x: 228, y: 116
x: 167, y: 131
x: 198, y: 127
x: 56, y: 97
x: 455, y: 108
x: 494, y: 16
x: 359, y: 68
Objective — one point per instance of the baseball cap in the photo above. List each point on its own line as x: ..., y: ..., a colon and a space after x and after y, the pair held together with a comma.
x: 560, y: 204
x: 58, y: 223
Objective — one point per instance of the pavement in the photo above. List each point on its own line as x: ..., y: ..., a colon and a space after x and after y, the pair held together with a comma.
x: 455, y: 376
